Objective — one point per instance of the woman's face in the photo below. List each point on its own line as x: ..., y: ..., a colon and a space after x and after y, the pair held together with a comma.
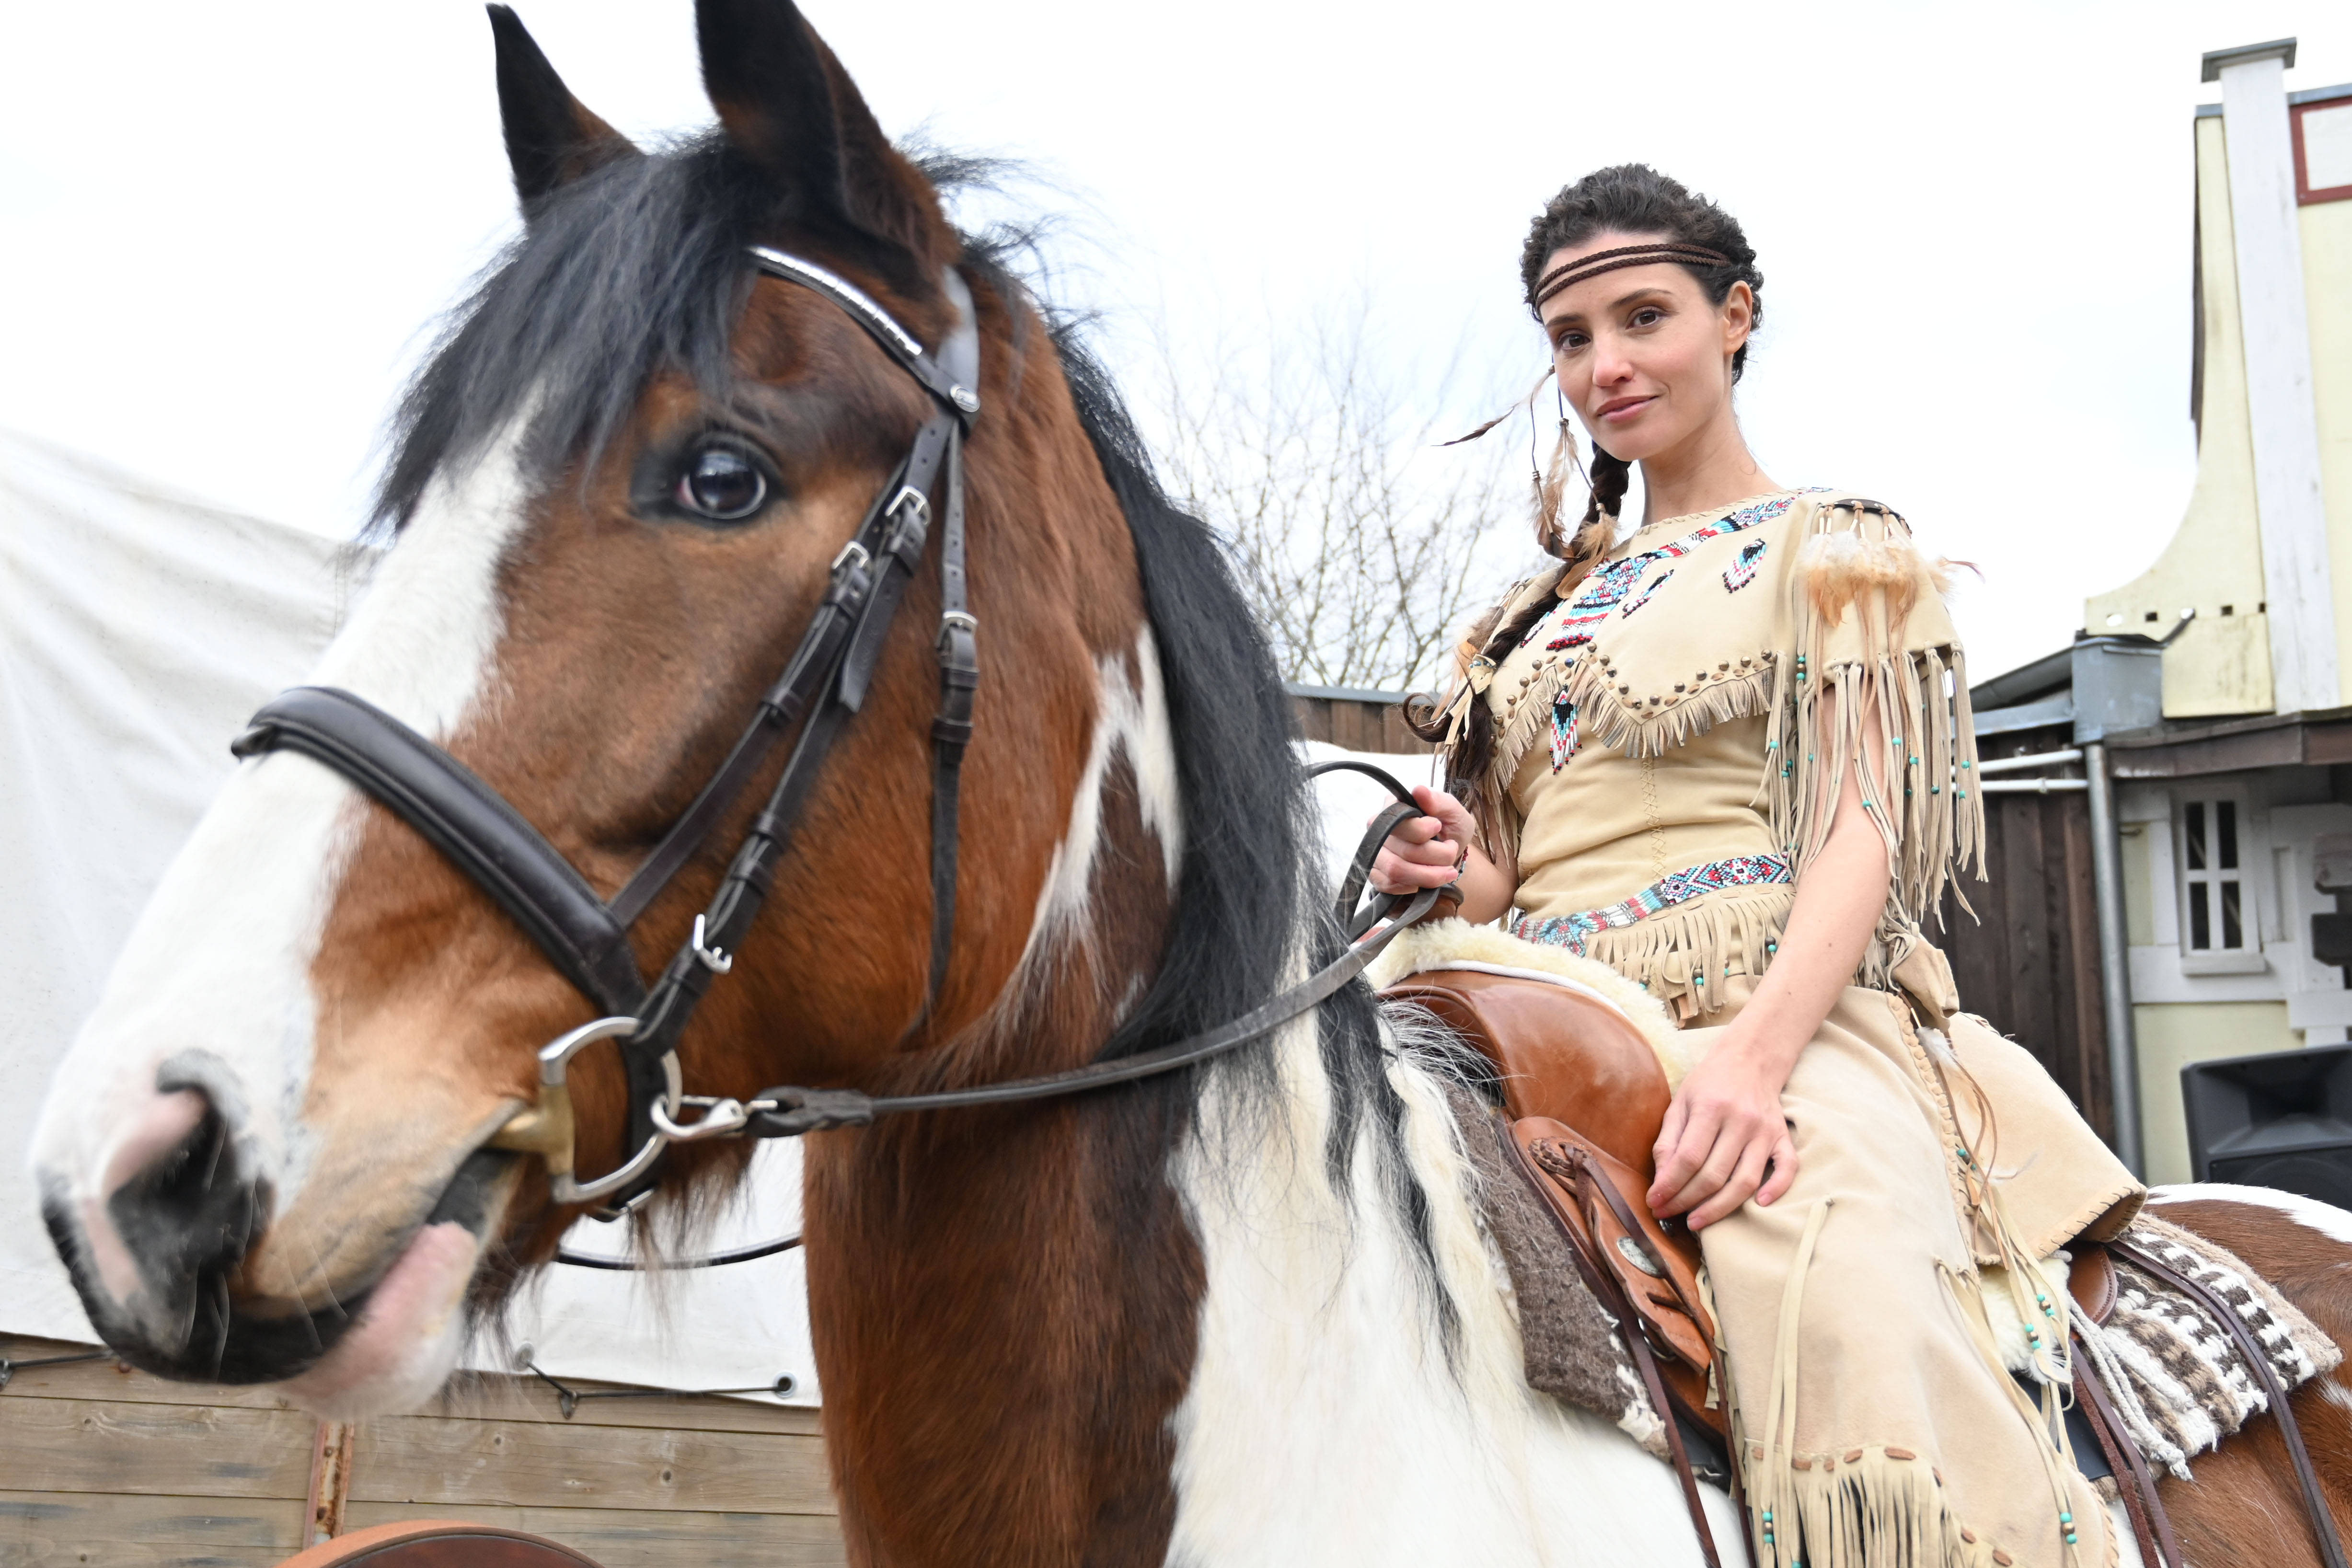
x: 1642, y: 354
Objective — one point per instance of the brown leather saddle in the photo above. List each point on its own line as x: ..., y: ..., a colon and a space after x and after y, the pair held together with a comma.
x: 1584, y: 1099
x: 438, y: 1543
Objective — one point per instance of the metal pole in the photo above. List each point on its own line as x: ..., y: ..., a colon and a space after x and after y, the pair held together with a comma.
x: 2115, y: 959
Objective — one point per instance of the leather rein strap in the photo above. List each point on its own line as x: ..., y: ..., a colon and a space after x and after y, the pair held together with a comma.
x: 822, y: 686
x: 2151, y: 1526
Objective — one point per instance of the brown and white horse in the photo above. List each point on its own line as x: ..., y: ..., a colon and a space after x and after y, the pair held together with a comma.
x: 1242, y: 1314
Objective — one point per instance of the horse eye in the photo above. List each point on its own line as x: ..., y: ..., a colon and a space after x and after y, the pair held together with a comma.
x: 721, y: 484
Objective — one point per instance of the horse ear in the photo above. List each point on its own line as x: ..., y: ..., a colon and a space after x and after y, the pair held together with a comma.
x: 552, y: 139
x: 787, y: 105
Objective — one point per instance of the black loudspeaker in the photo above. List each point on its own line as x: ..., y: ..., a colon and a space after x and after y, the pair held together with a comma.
x: 2281, y: 1121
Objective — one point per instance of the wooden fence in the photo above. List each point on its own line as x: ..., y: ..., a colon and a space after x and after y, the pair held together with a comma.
x: 103, y: 1465
x: 1354, y: 720
x: 2029, y: 960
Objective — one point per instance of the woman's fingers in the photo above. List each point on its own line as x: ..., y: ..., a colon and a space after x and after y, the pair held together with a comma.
x: 1445, y: 809
x: 1747, y: 1175
x: 1424, y: 851
x: 1715, y: 1168
x: 1418, y: 855
x: 1784, y: 1169
x: 1393, y: 874
x: 1685, y: 1142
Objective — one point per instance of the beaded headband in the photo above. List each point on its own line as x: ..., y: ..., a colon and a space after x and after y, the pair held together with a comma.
x: 1600, y: 261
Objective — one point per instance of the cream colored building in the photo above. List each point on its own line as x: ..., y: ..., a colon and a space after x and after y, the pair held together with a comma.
x: 2217, y: 810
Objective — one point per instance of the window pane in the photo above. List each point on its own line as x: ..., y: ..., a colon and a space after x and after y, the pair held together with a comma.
x: 2328, y: 146
x: 2225, y: 834
x: 2233, y: 933
x: 2195, y: 814
x: 2201, y: 920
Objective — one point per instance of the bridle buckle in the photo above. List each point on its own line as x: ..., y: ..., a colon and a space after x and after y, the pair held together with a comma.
x: 911, y: 498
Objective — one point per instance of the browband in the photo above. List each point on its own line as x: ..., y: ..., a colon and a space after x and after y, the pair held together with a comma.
x: 1600, y: 261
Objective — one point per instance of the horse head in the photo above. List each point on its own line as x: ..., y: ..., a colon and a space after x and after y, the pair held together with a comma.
x: 620, y: 490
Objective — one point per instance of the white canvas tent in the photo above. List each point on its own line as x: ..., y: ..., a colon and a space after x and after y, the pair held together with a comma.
x: 138, y: 628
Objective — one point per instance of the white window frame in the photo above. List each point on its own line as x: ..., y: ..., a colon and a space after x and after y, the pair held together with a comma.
x: 2252, y: 875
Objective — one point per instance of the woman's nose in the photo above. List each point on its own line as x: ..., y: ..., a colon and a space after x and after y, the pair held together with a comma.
x: 1610, y: 365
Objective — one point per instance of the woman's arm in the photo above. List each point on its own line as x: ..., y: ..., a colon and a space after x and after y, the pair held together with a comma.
x: 1424, y: 852
x: 1726, y: 1126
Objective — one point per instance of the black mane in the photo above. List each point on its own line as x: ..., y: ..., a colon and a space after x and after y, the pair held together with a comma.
x: 1251, y: 864
x: 635, y: 268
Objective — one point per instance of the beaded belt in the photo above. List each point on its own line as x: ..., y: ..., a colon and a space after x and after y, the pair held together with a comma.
x: 1571, y: 932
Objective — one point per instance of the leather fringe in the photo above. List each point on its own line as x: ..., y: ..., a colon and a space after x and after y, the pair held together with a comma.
x: 1865, y: 1508
x: 1611, y: 716
x: 1922, y: 793
x: 1682, y: 956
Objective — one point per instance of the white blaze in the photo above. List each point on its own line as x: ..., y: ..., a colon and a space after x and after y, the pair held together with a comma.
x: 215, y: 978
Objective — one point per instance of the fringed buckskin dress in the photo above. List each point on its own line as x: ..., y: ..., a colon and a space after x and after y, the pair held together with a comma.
x: 1672, y: 739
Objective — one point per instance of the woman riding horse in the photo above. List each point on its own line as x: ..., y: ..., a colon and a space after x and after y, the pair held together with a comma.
x: 1729, y: 756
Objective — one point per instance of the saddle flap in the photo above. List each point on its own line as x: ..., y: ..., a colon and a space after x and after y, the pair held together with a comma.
x: 1601, y: 1202
x: 1562, y: 1054
x: 2091, y: 1280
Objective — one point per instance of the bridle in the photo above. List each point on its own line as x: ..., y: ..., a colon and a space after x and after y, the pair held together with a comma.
x: 822, y: 686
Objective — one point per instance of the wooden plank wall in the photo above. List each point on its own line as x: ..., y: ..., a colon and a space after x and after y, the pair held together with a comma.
x: 1355, y: 725
x: 99, y: 1465
x: 2029, y: 962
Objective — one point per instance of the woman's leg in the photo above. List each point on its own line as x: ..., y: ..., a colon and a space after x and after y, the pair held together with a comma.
x: 1873, y: 1424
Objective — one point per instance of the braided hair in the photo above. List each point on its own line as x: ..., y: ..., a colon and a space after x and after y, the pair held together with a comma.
x: 1634, y: 200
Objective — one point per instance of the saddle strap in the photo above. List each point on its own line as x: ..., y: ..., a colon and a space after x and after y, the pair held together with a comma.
x: 1656, y: 1272
x: 2314, y: 1500
x: 2151, y: 1526
x: 1647, y: 1362
x: 1606, y: 1289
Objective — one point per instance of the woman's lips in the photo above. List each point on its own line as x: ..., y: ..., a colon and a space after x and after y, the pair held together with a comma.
x: 1618, y: 410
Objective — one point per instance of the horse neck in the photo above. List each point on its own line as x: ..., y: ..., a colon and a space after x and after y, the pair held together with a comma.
x: 1001, y: 1299
x: 1022, y: 1318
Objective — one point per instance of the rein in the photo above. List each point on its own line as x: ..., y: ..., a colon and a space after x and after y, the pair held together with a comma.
x: 822, y: 686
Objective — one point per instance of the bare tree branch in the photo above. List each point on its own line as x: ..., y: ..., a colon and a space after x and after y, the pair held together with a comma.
x: 1362, y: 546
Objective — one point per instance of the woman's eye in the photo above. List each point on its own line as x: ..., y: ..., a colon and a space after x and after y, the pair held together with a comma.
x: 1567, y: 341
x: 1647, y: 317
x: 721, y: 484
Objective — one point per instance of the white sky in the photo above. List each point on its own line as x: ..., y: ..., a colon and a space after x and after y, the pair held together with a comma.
x: 228, y: 229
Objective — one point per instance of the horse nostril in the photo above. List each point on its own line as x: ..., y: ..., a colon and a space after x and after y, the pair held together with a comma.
x: 188, y: 1209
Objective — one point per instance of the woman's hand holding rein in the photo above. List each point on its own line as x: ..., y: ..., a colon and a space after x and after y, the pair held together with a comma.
x: 1440, y: 848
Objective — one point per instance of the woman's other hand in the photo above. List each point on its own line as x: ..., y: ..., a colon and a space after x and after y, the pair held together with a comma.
x: 1725, y: 1138
x: 1424, y: 851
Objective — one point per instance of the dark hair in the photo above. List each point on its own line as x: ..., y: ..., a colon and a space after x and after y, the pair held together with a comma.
x: 1636, y: 200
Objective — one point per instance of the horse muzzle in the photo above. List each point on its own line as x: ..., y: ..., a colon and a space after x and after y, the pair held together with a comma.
x: 161, y: 1247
